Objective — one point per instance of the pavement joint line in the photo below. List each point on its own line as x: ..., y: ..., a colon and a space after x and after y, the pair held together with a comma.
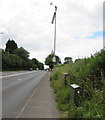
x: 18, y: 116
x: 16, y: 74
x: 20, y: 113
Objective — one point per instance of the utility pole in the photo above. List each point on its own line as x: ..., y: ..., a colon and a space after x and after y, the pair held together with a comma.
x: 54, y: 20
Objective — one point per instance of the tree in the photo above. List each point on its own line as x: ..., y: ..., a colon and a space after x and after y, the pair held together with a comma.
x: 49, y: 60
x: 68, y: 60
x: 77, y: 59
x: 22, y: 53
x: 37, y: 64
x: 35, y: 61
x: 11, y: 46
x: 11, y: 61
x: 14, y: 58
x: 41, y: 66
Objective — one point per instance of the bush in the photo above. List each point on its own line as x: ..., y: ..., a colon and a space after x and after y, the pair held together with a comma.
x: 89, y: 74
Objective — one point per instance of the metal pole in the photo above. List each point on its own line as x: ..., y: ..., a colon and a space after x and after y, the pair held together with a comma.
x: 54, y: 18
x: 55, y: 41
x: 55, y: 31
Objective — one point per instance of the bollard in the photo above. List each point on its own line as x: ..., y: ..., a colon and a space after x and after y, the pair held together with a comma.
x: 65, y: 78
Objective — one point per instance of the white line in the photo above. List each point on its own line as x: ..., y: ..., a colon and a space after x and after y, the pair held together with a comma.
x: 16, y: 74
x: 18, y: 116
x: 20, y: 113
x: 20, y: 79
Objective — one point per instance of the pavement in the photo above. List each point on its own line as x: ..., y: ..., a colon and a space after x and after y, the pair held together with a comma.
x: 42, y: 102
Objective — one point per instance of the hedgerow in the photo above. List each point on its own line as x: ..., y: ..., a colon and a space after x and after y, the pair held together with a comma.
x: 89, y: 74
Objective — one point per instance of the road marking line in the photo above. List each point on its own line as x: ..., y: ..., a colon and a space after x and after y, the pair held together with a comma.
x: 18, y: 116
x: 16, y: 74
x: 20, y: 79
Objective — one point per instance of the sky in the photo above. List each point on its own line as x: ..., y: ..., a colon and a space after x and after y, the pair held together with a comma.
x: 28, y: 22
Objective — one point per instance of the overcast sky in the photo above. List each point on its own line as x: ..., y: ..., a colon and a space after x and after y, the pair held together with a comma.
x: 28, y: 22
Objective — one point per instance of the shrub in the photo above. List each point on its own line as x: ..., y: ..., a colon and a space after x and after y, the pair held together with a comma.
x: 89, y: 74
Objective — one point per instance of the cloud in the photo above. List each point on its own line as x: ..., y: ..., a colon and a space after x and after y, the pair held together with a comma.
x: 29, y: 24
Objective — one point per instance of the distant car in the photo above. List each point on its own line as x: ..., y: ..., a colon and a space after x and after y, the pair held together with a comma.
x: 47, y: 69
x: 30, y: 69
x: 37, y: 69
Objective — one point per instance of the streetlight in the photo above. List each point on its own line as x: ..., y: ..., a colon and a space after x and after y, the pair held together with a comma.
x: 54, y: 19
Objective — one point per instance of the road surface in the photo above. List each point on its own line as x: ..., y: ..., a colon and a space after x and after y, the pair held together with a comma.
x: 17, y: 89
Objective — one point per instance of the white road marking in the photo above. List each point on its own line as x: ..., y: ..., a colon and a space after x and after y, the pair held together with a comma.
x: 28, y: 101
x: 18, y: 116
x: 20, y: 79
x: 16, y: 74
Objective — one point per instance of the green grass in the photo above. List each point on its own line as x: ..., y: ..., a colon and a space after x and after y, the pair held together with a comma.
x: 87, y: 74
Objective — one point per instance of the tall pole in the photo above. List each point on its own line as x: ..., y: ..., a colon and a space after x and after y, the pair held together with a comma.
x: 54, y: 18
x: 55, y: 41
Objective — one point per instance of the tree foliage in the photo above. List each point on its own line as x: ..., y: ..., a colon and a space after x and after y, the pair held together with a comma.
x: 38, y: 64
x: 89, y: 74
x: 49, y: 60
x: 14, y: 58
x: 22, y: 53
x: 68, y: 60
x: 11, y: 46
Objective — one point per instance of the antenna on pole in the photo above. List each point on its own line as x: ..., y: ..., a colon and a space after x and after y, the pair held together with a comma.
x: 54, y: 21
x: 51, y: 3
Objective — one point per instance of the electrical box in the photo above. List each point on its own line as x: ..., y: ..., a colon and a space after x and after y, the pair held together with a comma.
x: 75, y: 94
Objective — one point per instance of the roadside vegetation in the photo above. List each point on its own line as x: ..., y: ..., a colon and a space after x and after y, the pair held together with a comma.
x: 49, y: 60
x: 14, y: 58
x: 89, y: 74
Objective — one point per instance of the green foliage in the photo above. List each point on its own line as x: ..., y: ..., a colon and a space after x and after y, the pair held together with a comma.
x: 11, y: 61
x: 68, y: 60
x: 49, y: 60
x: 37, y: 64
x: 41, y: 66
x: 89, y: 109
x: 11, y: 46
x: 14, y: 58
x: 22, y: 53
x: 89, y: 74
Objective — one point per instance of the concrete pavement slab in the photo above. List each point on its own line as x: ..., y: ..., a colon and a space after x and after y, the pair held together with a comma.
x: 42, y: 103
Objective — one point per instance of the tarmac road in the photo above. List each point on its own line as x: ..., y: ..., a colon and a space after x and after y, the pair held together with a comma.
x: 17, y: 88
